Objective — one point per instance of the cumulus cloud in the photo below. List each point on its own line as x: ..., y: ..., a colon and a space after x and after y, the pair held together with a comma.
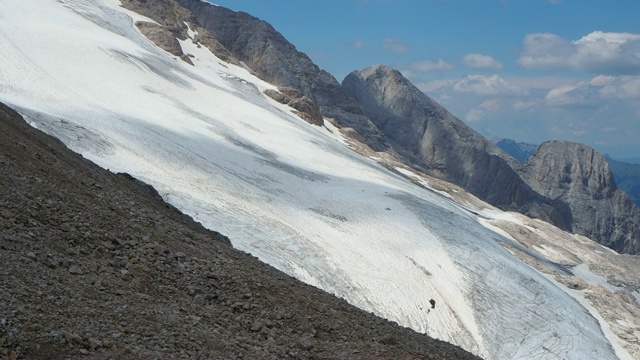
x: 479, y: 61
x: 430, y: 65
x: 395, y: 46
x: 487, y: 86
x: 598, y: 52
x: 600, y: 88
x: 623, y: 87
x: 434, y: 85
x: 566, y: 95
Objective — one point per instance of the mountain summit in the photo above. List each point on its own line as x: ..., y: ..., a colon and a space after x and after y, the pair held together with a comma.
x: 433, y: 140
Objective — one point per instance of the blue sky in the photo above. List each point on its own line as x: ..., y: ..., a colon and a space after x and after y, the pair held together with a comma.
x: 531, y: 70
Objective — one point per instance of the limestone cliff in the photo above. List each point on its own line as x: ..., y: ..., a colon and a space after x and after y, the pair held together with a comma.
x: 580, y: 177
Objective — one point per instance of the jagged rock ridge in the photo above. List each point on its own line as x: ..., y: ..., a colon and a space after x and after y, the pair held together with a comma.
x: 433, y: 140
x: 579, y: 176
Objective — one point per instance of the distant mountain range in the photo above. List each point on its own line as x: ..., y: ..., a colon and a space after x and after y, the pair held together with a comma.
x: 625, y: 173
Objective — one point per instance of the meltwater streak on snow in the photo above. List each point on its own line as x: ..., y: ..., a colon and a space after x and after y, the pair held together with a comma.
x: 287, y: 192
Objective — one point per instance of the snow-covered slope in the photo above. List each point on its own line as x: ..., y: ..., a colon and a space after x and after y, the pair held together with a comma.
x: 290, y: 193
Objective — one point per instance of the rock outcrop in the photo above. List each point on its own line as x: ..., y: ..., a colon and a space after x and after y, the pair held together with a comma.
x: 274, y: 59
x: 163, y: 38
x: 306, y: 108
x: 430, y: 138
x: 580, y: 177
x: 173, y: 22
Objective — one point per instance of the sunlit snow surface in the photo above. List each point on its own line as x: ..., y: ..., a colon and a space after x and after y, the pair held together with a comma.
x: 290, y: 193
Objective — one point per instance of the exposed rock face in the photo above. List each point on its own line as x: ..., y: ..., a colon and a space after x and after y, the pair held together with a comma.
x: 266, y: 52
x: 172, y: 18
x: 432, y: 139
x: 580, y: 177
x: 163, y: 38
x: 307, y: 109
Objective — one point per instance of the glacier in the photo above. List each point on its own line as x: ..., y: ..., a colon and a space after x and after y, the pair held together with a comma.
x: 386, y: 239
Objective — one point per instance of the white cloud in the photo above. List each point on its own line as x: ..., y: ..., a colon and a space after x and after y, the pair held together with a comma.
x: 491, y: 104
x: 395, y: 46
x: 473, y: 115
x: 483, y: 110
x: 564, y: 95
x: 433, y: 86
x: 546, y: 51
x: 525, y: 105
x: 623, y: 87
x: 430, y: 65
x: 540, y: 82
x: 598, y: 52
x: 487, y: 86
x: 598, y: 90
x: 479, y: 61
x: 357, y: 44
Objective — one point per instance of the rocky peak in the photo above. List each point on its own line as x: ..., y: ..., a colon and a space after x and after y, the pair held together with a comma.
x: 560, y: 168
x: 430, y: 138
x: 580, y: 177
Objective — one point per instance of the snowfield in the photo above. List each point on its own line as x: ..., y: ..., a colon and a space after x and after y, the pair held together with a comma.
x: 298, y: 198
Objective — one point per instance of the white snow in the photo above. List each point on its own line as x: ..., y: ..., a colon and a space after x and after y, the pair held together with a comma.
x: 582, y: 271
x: 416, y: 177
x: 191, y: 33
x: 290, y: 193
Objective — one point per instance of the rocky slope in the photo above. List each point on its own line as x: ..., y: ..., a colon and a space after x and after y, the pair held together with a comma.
x: 579, y: 176
x: 96, y: 266
x: 433, y: 140
x: 258, y: 46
